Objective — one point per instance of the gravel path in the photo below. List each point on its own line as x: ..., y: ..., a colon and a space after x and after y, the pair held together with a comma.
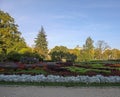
x: 34, y: 91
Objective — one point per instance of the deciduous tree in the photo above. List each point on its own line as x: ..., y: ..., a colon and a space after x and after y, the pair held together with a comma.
x: 101, y: 47
x: 61, y: 52
x: 10, y: 37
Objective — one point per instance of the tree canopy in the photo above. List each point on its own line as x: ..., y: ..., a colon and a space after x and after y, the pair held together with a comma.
x: 88, y: 50
x: 58, y: 53
x: 101, y: 47
x: 10, y: 37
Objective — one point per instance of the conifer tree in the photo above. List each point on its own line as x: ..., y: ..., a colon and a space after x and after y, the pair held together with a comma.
x: 41, y: 44
x: 88, y: 49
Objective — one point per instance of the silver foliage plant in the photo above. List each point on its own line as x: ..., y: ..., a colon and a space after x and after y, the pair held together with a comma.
x: 53, y: 78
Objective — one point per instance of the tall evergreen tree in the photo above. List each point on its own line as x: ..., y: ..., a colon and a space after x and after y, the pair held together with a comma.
x: 88, y: 49
x: 41, y: 44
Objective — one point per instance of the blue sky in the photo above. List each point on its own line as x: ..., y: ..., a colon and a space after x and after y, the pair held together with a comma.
x: 67, y: 22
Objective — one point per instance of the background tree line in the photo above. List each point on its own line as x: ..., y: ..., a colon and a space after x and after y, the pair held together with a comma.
x: 13, y: 47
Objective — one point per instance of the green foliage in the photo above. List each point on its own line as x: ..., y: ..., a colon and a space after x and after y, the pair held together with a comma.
x: 115, y: 54
x: 76, y: 53
x: 25, y: 50
x: 71, y: 57
x: 77, y: 69
x: 88, y: 50
x: 30, y: 58
x: 10, y: 37
x: 100, y: 71
x: 107, y: 54
x: 14, y: 56
x: 88, y: 44
x: 65, y: 84
x: 58, y: 53
x: 34, y: 71
x: 41, y: 44
x: 23, y: 56
x: 85, y: 70
x: 61, y: 52
x: 97, y: 65
x: 101, y: 47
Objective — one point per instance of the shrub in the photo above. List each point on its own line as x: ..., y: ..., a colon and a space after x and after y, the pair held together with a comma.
x: 14, y: 56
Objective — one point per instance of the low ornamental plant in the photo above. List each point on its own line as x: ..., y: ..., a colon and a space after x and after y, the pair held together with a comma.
x: 57, y: 78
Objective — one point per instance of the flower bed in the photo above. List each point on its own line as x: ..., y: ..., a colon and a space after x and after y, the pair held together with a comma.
x: 53, y: 78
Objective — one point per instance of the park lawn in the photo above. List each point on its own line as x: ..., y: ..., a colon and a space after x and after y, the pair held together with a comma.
x: 77, y: 69
x: 85, y: 70
x: 97, y: 65
x: 64, y: 84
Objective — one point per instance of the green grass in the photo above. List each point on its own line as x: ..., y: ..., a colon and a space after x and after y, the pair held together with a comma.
x: 97, y: 65
x: 40, y: 71
x: 77, y: 69
x: 100, y: 71
x: 84, y: 70
x: 100, y: 62
x: 65, y: 84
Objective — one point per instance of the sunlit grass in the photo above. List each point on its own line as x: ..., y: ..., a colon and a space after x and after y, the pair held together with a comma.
x: 84, y: 70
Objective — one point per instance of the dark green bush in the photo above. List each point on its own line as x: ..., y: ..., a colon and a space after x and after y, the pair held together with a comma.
x: 14, y: 56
